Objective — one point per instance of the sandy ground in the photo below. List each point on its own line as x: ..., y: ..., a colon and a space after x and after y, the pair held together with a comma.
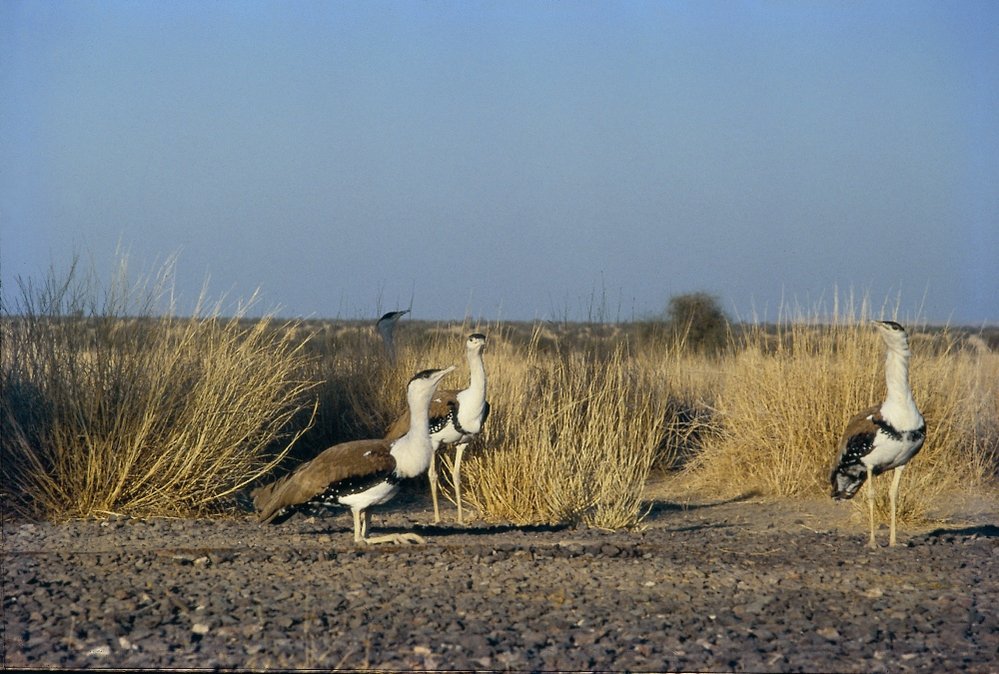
x: 745, y: 585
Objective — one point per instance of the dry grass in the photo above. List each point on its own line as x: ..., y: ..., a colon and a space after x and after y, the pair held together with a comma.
x: 105, y: 410
x: 581, y: 414
x: 576, y: 422
x: 140, y: 415
x: 787, y: 397
x: 571, y: 436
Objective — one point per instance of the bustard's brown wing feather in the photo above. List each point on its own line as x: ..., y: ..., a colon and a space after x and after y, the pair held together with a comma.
x: 860, y: 432
x: 440, y: 408
x: 340, y: 462
x: 862, y: 423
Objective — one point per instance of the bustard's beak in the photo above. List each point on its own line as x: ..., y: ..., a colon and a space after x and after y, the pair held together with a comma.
x: 442, y: 373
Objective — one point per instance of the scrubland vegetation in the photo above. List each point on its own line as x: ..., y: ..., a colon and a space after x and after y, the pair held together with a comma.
x: 108, y: 408
x: 788, y: 392
x: 113, y: 404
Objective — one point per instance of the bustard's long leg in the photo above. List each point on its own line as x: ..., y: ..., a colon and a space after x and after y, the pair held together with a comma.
x: 870, y: 504
x: 432, y: 476
x: 893, y: 495
x: 358, y: 526
x: 362, y: 523
x: 456, y: 477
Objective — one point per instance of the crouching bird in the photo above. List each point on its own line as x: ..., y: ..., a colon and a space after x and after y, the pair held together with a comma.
x: 359, y: 474
x: 456, y: 418
x: 884, y: 437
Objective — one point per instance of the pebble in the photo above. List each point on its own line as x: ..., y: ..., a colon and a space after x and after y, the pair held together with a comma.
x: 828, y: 633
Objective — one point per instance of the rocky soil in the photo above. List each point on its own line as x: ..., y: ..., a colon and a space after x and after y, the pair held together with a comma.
x: 747, y: 585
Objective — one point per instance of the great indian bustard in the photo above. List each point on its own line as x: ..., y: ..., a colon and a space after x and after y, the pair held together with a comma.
x: 361, y: 473
x: 386, y: 328
x: 884, y: 437
x: 456, y: 417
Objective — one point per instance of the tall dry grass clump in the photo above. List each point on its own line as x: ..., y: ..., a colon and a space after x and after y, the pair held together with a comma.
x: 571, y: 436
x: 984, y: 399
x: 790, y: 390
x: 110, y: 408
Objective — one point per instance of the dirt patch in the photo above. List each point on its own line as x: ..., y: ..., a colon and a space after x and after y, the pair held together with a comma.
x: 748, y: 585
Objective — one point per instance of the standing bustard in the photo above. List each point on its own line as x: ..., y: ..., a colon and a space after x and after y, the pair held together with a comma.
x: 884, y: 437
x: 386, y: 328
x: 361, y: 473
x: 456, y: 417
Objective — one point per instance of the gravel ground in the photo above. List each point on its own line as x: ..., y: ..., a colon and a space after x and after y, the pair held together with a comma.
x: 747, y: 585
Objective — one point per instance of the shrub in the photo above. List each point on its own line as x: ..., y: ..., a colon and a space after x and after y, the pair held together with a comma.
x: 789, y: 392
x: 109, y: 408
x: 697, y: 320
x: 571, y: 436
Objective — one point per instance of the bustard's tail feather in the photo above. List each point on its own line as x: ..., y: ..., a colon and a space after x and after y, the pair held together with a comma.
x: 261, y: 494
x: 266, y: 501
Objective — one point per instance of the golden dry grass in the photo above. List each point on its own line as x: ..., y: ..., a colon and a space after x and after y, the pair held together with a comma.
x: 104, y: 412
x: 786, y: 398
x: 581, y: 414
x: 573, y: 431
x: 144, y: 416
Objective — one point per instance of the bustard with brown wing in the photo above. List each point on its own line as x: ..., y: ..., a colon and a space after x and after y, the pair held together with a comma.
x: 884, y: 437
x: 456, y: 418
x: 361, y: 473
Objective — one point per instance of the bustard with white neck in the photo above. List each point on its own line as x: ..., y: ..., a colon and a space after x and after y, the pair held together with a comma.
x: 456, y: 418
x: 361, y: 473
x: 884, y: 437
x: 386, y: 328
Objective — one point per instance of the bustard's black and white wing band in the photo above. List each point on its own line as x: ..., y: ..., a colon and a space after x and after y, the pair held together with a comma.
x: 863, y: 434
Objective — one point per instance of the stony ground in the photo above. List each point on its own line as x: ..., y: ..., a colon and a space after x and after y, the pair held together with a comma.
x: 747, y: 585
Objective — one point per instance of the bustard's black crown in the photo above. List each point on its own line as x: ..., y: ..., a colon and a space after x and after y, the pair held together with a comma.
x: 393, y: 315
x: 424, y: 374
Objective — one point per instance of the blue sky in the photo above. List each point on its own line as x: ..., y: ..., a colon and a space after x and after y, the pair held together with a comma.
x: 509, y: 160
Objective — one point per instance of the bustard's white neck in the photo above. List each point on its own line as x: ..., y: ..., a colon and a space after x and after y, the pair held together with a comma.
x: 414, y: 450
x: 899, y: 406
x: 472, y: 400
x: 386, y: 328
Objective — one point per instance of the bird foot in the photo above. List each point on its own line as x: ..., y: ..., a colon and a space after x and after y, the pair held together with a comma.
x: 872, y: 544
x: 395, y: 539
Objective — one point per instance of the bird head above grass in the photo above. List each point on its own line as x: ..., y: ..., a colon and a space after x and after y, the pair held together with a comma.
x: 894, y: 335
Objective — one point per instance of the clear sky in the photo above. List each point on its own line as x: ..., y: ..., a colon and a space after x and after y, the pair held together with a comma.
x: 509, y: 160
